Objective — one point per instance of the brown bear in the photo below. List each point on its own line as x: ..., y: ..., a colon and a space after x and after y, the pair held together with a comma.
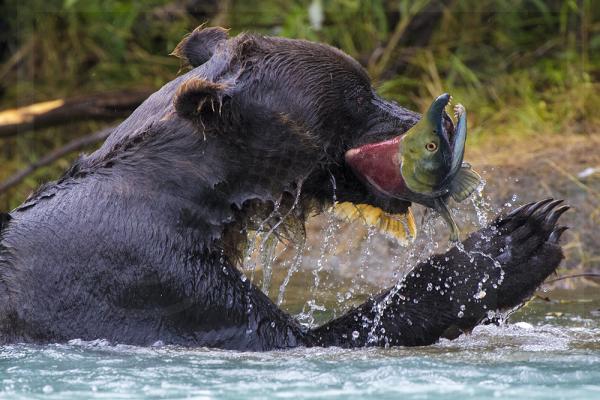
x: 139, y: 241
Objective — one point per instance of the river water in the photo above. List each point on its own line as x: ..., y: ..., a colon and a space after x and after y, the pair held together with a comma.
x: 550, y: 350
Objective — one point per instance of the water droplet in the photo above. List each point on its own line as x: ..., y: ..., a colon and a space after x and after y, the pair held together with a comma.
x: 429, y: 287
x: 461, y: 314
x: 480, y: 295
x: 355, y: 335
x: 462, y: 307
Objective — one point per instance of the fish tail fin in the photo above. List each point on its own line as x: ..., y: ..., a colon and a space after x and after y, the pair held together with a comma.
x: 400, y: 227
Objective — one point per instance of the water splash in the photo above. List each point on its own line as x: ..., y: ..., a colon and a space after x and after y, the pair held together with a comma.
x: 328, y: 246
x: 426, y: 246
x: 264, y: 240
x: 268, y: 257
x: 255, y: 239
x: 481, y: 204
x: 293, y: 267
x: 372, y: 256
x: 482, y: 208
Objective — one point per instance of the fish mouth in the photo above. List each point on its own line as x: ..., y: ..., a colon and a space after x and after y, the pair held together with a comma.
x: 436, y: 110
x: 378, y: 166
x: 436, y: 116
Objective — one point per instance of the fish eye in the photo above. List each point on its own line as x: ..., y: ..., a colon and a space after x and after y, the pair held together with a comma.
x: 431, y: 146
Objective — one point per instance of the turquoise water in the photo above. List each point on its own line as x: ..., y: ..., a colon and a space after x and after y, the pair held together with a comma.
x: 551, y: 351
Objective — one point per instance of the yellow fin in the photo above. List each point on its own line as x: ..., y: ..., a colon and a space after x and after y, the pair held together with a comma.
x: 401, y: 227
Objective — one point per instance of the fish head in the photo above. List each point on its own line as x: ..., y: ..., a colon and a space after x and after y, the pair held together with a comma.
x: 425, y: 153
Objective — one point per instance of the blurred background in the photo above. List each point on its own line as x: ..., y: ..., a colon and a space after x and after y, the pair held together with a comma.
x: 527, y: 71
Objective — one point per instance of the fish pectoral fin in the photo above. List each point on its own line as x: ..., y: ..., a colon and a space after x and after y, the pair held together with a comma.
x: 400, y: 227
x: 465, y: 183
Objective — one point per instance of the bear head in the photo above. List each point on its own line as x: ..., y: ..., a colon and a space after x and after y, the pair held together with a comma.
x: 255, y: 133
x: 286, y: 111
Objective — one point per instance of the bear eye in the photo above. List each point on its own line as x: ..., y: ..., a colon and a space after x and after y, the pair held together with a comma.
x: 431, y: 146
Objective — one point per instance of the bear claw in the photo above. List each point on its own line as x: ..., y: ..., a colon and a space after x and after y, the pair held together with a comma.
x: 556, y: 234
x: 550, y: 205
x: 553, y: 216
x: 518, y: 210
x: 529, y: 211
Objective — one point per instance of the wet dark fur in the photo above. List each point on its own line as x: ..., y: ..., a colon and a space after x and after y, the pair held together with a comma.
x: 138, y: 242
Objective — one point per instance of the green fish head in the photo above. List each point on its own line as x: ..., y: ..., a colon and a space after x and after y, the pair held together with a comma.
x: 425, y: 153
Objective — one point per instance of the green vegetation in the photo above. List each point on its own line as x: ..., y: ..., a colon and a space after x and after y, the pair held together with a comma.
x: 521, y: 67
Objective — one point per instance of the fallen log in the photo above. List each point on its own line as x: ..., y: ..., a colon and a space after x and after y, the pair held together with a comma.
x: 99, y: 107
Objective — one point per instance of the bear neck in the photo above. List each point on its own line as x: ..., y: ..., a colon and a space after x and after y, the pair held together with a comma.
x: 204, y: 186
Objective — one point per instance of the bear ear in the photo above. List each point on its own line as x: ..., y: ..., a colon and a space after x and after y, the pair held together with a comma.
x: 199, y: 100
x: 198, y: 47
